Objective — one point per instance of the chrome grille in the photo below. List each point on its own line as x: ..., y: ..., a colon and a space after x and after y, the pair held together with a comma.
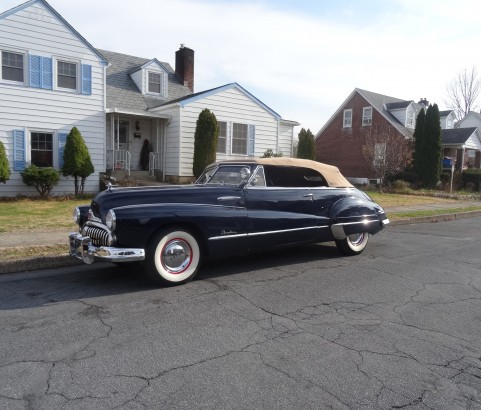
x: 99, y: 236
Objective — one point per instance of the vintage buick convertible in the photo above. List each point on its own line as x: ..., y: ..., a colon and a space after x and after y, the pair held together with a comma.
x: 235, y: 207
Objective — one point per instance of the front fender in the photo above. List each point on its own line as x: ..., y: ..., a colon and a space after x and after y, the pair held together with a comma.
x: 355, y: 215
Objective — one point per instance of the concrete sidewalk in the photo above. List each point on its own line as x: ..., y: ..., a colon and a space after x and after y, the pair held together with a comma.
x: 60, y: 237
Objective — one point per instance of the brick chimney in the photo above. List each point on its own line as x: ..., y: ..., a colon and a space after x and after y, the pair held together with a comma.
x: 184, y: 66
x: 423, y: 101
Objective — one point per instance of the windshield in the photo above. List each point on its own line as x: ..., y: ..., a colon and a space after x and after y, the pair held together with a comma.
x: 225, y: 174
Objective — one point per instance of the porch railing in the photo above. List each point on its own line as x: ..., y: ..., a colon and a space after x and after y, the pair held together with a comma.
x: 118, y: 160
x: 155, y: 163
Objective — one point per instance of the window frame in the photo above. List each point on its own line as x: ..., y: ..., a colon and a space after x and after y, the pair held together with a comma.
x: 24, y: 67
x: 366, y: 120
x: 222, y: 137
x: 57, y: 74
x: 232, y: 138
x: 161, y: 79
x: 346, y: 124
x: 54, y: 144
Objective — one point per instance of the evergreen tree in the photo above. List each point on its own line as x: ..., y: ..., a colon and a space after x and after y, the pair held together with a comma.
x: 205, y: 141
x: 306, y: 146
x: 433, y: 147
x: 76, y: 160
x: 4, y: 166
x: 419, y: 143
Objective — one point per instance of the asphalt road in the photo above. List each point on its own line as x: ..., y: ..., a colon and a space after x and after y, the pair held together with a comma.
x: 396, y: 327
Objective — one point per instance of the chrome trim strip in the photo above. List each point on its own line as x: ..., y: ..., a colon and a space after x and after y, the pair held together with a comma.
x: 240, y: 235
x: 338, y: 229
x: 228, y: 198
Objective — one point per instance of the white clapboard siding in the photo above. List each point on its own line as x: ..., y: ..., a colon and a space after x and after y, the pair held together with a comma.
x: 230, y: 105
x: 35, y: 30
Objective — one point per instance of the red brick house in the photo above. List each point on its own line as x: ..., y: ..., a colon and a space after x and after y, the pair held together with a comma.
x: 341, y: 139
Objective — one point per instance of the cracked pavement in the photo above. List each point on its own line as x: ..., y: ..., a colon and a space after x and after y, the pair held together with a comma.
x: 396, y: 327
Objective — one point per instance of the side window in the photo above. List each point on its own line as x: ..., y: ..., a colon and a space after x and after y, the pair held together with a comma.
x: 367, y: 116
x: 347, y: 120
x: 42, y: 149
x: 12, y: 67
x: 222, y: 139
x: 259, y: 178
x: 66, y: 75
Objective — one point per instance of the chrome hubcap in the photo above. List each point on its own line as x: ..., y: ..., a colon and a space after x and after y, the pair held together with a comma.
x: 176, y: 256
x: 356, y: 238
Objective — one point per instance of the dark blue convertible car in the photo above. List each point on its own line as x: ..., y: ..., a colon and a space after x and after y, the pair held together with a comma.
x: 235, y: 207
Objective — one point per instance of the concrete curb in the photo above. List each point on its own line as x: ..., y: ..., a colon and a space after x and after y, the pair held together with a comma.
x: 51, y: 262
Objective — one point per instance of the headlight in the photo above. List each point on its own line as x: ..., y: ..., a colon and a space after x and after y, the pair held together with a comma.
x: 110, y: 220
x: 76, y: 215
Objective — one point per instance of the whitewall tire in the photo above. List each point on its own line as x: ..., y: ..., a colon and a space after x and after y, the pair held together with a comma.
x: 353, y: 244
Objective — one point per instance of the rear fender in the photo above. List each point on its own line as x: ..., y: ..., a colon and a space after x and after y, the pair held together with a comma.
x: 355, y: 215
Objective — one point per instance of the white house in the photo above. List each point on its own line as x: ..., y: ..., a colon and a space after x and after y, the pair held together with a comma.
x: 52, y: 79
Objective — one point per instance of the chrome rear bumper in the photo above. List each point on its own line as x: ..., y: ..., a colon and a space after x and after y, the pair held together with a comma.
x: 81, y: 248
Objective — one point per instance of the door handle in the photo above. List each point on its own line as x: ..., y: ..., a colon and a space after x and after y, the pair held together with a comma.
x: 308, y: 196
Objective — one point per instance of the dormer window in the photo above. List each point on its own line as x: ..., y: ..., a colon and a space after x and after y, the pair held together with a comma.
x: 411, y: 119
x: 155, y: 82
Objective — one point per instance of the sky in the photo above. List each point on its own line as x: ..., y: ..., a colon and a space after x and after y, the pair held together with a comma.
x: 302, y: 58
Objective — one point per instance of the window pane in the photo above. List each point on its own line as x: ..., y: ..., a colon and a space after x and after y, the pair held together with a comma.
x: 154, y: 83
x: 222, y: 139
x: 239, y: 139
x: 12, y: 66
x: 42, y: 149
x: 67, y: 75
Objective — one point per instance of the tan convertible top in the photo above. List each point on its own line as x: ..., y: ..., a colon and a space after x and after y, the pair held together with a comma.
x: 331, y: 173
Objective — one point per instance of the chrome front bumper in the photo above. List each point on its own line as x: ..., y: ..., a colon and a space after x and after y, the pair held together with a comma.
x: 81, y: 248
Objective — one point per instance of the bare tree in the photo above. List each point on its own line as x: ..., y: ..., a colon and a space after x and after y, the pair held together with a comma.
x: 463, y: 92
x: 386, y: 151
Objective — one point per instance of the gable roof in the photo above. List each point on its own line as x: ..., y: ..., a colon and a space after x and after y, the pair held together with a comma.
x: 154, y: 60
x: 183, y: 101
x: 381, y: 103
x: 122, y: 92
x: 445, y: 113
x: 456, y: 136
x: 65, y: 22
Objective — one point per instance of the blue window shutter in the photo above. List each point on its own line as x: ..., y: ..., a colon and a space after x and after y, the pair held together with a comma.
x: 251, y: 140
x: 35, y: 71
x: 86, y: 79
x: 18, y: 150
x: 47, y: 73
x: 62, y: 139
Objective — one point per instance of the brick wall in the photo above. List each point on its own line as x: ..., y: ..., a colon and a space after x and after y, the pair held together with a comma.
x: 342, y: 147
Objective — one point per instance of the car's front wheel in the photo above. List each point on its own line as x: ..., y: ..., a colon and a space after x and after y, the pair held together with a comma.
x: 173, y: 257
x: 353, y: 244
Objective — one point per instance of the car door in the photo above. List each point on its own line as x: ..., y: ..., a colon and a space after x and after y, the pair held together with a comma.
x: 278, y: 216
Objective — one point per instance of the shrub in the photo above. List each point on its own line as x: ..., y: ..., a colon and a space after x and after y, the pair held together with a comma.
x: 472, y: 177
x: 77, y: 162
x: 43, y: 179
x: 401, y: 187
x: 270, y: 154
x: 4, y: 167
x: 205, y: 141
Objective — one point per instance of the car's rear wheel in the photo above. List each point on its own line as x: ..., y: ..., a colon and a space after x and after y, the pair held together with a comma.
x: 353, y: 244
x: 173, y: 257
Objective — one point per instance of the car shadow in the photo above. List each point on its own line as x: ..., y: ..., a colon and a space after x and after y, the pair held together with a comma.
x: 41, y: 288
